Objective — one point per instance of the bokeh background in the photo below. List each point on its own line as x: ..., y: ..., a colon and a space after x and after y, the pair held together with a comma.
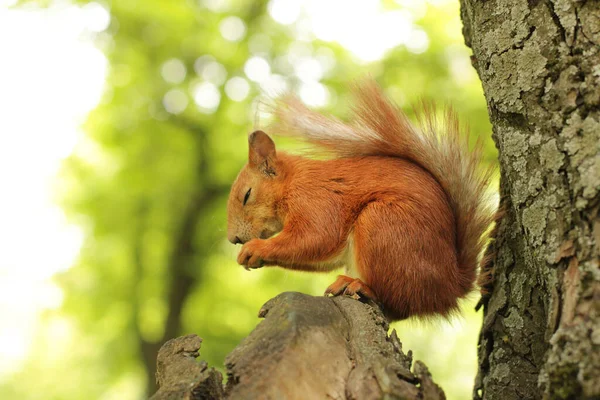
x: 122, y: 125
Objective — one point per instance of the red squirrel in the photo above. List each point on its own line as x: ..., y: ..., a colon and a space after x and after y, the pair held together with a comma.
x: 403, y: 208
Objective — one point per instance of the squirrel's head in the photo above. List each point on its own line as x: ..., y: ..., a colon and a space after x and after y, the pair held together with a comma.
x: 252, y: 205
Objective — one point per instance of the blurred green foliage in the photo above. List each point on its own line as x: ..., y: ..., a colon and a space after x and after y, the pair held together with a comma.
x: 149, y: 188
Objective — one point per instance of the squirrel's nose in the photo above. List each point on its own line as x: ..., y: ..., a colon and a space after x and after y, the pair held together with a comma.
x: 235, y: 240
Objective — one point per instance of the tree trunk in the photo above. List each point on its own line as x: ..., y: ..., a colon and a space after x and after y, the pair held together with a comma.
x: 306, y: 348
x: 539, y: 62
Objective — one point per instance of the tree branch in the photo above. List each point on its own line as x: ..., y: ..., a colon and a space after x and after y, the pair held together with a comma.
x: 307, y: 347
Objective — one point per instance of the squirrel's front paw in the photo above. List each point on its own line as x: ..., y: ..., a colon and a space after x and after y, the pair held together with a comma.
x: 251, y: 255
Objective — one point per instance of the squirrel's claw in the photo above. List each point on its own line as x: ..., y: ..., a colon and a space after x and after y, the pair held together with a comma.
x: 350, y: 287
x: 358, y: 287
x: 338, y: 287
x: 250, y: 255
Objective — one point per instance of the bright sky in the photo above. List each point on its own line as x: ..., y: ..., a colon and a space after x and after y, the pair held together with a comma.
x: 50, y: 79
x: 51, y: 76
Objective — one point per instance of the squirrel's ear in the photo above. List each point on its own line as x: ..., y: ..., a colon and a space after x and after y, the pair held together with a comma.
x: 262, y: 153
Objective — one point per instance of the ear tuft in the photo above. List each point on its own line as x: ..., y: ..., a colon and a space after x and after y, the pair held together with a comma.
x: 262, y: 152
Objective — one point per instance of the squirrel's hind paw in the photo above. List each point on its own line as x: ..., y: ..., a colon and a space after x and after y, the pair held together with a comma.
x: 350, y: 287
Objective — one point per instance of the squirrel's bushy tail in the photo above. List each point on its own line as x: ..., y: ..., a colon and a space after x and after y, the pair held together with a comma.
x: 378, y: 127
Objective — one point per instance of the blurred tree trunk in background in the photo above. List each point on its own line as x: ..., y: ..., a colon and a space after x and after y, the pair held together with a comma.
x: 539, y: 62
x: 181, y: 283
x: 182, y: 260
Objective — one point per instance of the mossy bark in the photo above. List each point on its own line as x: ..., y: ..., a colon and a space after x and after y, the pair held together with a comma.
x: 539, y: 62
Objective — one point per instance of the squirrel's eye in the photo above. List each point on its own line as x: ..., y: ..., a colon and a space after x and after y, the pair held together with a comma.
x: 247, y: 196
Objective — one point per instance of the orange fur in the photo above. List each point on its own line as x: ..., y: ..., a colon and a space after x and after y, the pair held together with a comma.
x: 403, y: 208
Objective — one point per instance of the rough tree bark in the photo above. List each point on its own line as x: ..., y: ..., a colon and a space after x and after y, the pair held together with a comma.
x: 306, y: 348
x: 539, y: 62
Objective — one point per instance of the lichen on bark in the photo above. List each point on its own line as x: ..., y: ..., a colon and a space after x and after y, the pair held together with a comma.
x: 539, y: 63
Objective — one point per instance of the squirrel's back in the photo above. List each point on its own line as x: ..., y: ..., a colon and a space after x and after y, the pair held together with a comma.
x: 379, y: 128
